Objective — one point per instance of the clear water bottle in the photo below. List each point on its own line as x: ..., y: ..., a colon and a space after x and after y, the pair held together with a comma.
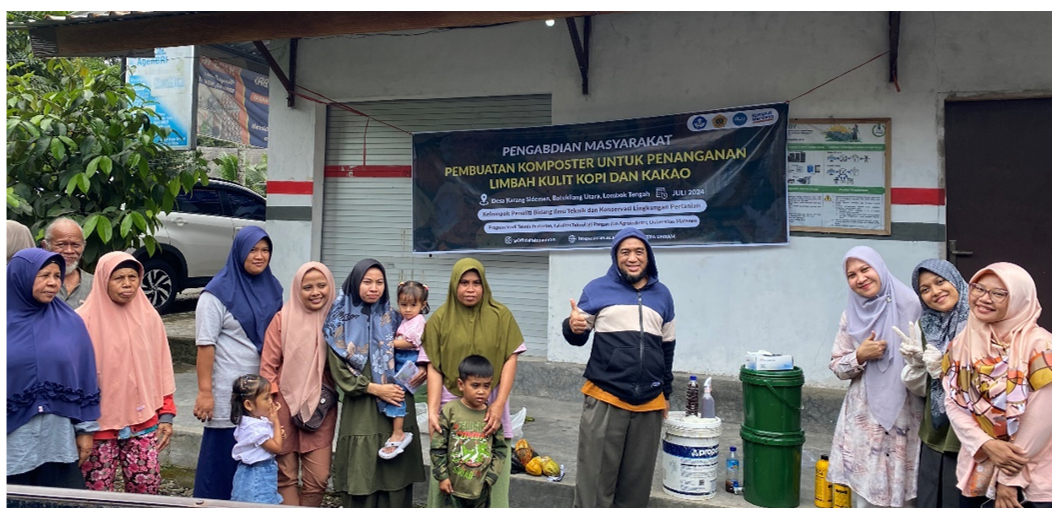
x: 708, y: 404
x: 732, y: 471
x: 693, y: 398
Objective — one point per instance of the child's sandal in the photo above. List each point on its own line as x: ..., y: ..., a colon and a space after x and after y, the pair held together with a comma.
x: 398, y: 446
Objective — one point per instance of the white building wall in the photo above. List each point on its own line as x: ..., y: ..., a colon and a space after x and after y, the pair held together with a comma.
x: 786, y: 299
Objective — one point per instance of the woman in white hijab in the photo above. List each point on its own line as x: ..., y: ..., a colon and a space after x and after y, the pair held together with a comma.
x: 876, y: 441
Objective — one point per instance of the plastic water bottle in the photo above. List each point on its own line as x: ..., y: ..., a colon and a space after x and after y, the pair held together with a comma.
x: 693, y: 398
x: 708, y: 404
x: 732, y: 470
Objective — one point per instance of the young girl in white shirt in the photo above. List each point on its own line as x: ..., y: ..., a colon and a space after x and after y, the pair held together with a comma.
x: 258, y: 439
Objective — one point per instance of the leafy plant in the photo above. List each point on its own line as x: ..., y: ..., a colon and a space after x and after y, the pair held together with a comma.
x: 234, y: 169
x: 77, y: 146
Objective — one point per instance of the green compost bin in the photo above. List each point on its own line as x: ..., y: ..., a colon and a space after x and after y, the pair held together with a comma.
x: 772, y: 462
x: 772, y: 399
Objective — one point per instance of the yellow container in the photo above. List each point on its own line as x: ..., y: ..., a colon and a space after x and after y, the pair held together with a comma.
x: 824, y: 491
x: 841, y: 497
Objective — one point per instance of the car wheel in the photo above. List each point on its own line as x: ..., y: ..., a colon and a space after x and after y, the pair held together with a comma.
x: 160, y: 284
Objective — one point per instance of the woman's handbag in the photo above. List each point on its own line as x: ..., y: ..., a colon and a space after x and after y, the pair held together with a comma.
x: 328, y: 400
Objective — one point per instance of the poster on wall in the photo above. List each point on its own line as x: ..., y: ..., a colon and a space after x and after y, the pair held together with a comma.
x: 233, y: 103
x: 710, y: 178
x: 166, y: 84
x: 838, y: 175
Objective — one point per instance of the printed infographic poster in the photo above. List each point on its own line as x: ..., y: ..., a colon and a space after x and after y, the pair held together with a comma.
x: 838, y: 175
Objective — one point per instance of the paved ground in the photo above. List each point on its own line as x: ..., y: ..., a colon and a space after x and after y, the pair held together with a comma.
x: 554, y: 431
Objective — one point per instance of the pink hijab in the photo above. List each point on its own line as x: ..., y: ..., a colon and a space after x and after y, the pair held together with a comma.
x: 132, y: 352
x: 303, y: 348
x: 993, y: 384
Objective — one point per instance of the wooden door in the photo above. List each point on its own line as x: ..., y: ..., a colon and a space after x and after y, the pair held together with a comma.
x: 998, y: 187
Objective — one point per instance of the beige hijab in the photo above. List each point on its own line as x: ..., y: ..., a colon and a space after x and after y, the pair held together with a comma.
x: 303, y: 345
x: 132, y: 352
x: 18, y: 238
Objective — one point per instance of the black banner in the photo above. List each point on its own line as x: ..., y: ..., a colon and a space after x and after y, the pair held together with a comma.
x: 697, y: 179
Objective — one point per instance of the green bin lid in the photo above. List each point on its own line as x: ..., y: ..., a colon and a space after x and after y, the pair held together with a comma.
x: 779, y: 378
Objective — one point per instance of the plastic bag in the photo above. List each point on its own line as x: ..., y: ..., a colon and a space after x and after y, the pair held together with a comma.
x: 516, y: 420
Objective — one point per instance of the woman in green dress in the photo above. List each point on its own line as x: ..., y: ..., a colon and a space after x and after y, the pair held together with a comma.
x: 472, y: 322
x: 359, y: 331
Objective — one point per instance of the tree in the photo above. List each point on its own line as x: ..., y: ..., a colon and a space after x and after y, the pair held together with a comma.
x: 79, y: 147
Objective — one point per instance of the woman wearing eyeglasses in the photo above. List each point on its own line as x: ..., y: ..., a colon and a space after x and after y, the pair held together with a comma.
x: 998, y: 382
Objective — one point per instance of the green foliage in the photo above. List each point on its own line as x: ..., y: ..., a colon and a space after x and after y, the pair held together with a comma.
x: 19, y: 49
x: 255, y: 176
x: 228, y: 167
x: 234, y: 169
x: 78, y: 147
x: 202, y: 140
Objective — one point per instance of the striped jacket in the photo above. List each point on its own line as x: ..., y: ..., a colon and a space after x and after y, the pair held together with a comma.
x: 634, y: 331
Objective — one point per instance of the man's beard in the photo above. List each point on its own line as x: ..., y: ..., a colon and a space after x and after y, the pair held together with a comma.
x: 634, y: 279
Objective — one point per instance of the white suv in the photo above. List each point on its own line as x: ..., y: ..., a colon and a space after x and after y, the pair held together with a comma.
x: 195, y: 239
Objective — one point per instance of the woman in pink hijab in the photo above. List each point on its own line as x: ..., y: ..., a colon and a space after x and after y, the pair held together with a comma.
x: 998, y: 383
x: 294, y: 361
x: 135, y: 375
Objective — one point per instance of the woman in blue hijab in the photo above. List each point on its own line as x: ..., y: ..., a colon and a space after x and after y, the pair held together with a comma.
x: 943, y: 293
x: 53, y: 399
x: 359, y: 331
x: 231, y: 319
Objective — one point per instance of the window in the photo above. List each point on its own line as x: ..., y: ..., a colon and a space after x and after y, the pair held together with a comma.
x: 246, y: 206
x: 200, y: 201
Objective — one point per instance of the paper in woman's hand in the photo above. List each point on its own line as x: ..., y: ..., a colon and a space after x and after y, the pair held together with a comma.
x: 405, y: 374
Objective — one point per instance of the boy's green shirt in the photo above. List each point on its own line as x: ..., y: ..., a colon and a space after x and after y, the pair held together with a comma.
x: 463, y: 453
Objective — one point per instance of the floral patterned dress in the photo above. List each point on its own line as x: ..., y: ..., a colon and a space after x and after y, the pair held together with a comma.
x: 878, y: 466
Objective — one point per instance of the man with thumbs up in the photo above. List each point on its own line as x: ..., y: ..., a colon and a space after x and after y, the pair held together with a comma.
x: 629, y: 375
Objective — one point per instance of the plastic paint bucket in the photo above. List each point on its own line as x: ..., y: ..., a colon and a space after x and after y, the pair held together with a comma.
x: 691, y: 450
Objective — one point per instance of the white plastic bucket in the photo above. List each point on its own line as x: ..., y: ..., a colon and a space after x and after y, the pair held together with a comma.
x: 691, y: 449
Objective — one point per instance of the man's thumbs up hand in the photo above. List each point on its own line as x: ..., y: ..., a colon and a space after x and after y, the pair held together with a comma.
x: 576, y: 322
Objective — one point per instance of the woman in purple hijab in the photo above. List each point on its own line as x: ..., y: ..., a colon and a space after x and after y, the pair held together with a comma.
x: 231, y: 319
x: 53, y: 398
x: 876, y: 440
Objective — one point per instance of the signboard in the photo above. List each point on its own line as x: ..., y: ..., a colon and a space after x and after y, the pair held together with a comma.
x: 233, y: 103
x: 838, y: 175
x: 166, y: 84
x: 712, y: 178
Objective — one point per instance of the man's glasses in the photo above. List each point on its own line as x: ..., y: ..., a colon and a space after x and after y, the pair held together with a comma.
x: 995, y: 295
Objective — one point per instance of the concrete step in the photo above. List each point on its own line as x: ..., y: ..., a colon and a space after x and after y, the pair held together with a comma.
x: 550, y: 392
x: 554, y: 432
x: 562, y: 381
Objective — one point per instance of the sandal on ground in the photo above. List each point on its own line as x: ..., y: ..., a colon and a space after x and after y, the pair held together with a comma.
x: 407, y: 437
